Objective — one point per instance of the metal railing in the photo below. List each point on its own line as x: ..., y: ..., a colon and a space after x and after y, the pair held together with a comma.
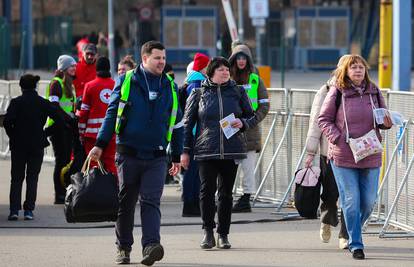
x: 284, y: 133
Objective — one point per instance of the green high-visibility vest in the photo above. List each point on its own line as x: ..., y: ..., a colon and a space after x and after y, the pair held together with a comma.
x: 66, y: 103
x: 252, y: 91
x: 125, y: 89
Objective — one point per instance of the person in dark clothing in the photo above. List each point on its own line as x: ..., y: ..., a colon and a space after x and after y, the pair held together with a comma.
x: 218, y: 155
x: 191, y: 180
x: 143, y: 110
x: 23, y: 122
x: 61, y: 93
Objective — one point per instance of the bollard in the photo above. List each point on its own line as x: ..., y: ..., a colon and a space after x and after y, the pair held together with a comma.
x: 264, y: 73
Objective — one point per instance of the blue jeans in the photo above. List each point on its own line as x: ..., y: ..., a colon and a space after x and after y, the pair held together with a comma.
x: 357, y: 193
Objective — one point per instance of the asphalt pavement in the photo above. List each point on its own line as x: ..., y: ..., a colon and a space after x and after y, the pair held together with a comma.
x: 260, y: 238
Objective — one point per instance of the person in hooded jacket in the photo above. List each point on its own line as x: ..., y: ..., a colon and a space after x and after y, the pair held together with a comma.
x: 357, y: 181
x: 216, y: 154
x: 191, y: 180
x: 242, y: 72
x: 61, y: 93
x: 23, y: 122
x: 85, y: 69
x: 317, y: 141
x: 95, y: 102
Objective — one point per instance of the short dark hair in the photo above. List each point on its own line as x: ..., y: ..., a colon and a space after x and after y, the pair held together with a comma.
x: 147, y: 48
x: 129, y: 61
x: 215, y: 63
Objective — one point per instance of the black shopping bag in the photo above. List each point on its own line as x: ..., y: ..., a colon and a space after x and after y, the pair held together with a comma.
x: 92, y: 195
x: 307, y: 192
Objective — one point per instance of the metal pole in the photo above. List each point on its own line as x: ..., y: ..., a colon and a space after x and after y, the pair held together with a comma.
x: 7, y: 10
x: 259, y: 33
x: 27, y: 32
x: 385, y: 45
x: 111, y: 44
x: 240, y: 18
x: 401, y: 52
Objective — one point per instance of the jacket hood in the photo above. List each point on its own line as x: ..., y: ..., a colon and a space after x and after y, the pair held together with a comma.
x: 195, y: 76
x: 244, y: 49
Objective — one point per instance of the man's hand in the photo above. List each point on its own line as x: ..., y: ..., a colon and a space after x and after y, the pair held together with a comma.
x: 175, y: 168
x: 309, y: 160
x: 185, y: 160
x: 95, y: 153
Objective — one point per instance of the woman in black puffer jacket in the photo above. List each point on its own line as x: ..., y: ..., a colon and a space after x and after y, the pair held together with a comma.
x: 218, y: 156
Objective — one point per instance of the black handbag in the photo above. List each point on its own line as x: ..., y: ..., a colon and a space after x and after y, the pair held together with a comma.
x: 307, y: 197
x: 92, y: 195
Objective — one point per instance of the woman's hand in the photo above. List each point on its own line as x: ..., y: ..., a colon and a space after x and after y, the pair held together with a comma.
x: 387, y: 121
x: 309, y: 160
x: 237, y: 123
x: 185, y: 160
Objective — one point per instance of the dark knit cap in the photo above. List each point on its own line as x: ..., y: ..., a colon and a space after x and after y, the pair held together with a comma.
x: 29, y: 81
x: 102, y: 64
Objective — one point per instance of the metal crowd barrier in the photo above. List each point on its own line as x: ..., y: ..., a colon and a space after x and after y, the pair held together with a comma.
x: 284, y: 133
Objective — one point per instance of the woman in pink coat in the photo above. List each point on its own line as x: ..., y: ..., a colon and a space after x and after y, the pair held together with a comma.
x: 357, y: 182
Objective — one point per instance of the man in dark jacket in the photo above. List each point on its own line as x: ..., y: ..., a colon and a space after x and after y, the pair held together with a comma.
x: 24, y: 121
x: 142, y: 111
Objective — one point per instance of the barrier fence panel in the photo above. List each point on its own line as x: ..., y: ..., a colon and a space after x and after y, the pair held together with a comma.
x: 276, y: 118
x: 398, y: 194
x: 284, y: 133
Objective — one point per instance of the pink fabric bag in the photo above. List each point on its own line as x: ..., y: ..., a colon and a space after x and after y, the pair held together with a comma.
x: 308, y: 176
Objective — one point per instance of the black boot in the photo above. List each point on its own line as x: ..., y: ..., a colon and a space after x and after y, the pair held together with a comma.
x: 223, y: 242
x: 243, y: 204
x: 190, y: 209
x: 208, y: 239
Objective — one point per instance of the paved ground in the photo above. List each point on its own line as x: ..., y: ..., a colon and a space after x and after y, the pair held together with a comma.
x: 50, y: 241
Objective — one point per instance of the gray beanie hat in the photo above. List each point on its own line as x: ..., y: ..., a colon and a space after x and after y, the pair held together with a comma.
x: 64, y: 62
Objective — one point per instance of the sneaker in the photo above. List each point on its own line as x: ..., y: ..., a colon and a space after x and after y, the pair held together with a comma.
x: 122, y: 257
x: 325, y: 232
x: 343, y: 243
x: 13, y: 216
x: 28, y: 215
x: 151, y: 254
x: 358, y: 254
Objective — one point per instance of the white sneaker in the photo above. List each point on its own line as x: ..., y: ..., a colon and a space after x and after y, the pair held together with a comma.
x: 343, y: 243
x: 325, y: 232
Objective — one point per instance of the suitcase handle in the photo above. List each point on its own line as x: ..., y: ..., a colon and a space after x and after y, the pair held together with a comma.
x: 87, y: 164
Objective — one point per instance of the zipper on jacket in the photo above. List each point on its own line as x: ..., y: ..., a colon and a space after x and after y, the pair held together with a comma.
x: 221, y: 117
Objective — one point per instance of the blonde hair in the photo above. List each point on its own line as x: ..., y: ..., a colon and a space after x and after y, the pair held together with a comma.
x: 341, y: 71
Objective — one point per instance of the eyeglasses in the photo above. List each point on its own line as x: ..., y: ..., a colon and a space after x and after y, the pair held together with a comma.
x: 90, y: 54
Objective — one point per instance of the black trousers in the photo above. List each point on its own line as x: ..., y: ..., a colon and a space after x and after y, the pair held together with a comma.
x: 329, y: 197
x: 24, y: 163
x: 217, y: 175
x: 62, y: 142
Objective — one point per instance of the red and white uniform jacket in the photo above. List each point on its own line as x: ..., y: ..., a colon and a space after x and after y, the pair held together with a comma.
x: 95, y: 101
x: 84, y: 74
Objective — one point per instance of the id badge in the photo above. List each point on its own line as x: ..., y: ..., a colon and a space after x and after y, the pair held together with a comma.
x: 153, y: 95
